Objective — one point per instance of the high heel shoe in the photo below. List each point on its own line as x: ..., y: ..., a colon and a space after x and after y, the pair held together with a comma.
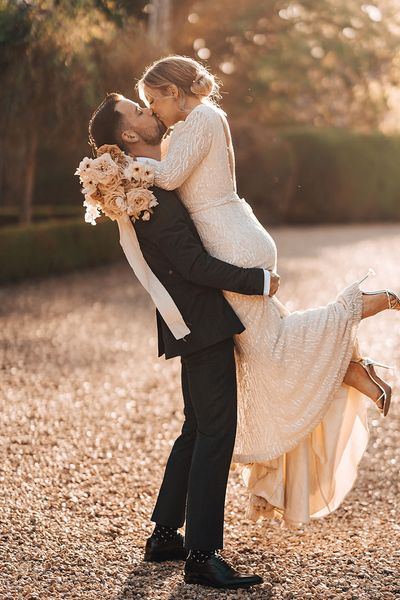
x: 393, y: 299
x: 368, y: 365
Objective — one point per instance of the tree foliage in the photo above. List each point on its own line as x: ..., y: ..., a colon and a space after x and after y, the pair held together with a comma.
x: 321, y: 62
x: 314, y: 62
x: 54, y: 54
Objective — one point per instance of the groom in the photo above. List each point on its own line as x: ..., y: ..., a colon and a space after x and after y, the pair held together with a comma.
x: 195, y: 478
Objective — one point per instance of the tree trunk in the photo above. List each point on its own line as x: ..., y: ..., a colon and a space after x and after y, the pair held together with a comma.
x: 29, y: 180
x: 160, y: 23
x: 2, y: 173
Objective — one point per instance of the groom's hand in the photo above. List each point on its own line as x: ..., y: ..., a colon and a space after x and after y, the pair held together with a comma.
x: 274, y: 285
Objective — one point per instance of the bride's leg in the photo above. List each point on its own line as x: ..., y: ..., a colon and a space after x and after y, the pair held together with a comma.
x: 356, y: 376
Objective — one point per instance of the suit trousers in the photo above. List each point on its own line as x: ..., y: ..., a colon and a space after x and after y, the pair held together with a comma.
x: 196, y: 474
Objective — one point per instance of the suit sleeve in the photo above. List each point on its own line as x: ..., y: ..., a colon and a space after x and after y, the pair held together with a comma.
x: 187, y: 255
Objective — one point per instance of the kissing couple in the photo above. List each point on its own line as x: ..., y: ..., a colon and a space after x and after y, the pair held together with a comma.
x: 282, y: 395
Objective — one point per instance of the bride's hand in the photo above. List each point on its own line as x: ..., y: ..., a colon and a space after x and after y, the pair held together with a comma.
x: 274, y: 285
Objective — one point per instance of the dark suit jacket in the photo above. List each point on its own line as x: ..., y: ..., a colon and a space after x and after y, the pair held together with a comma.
x: 173, y: 250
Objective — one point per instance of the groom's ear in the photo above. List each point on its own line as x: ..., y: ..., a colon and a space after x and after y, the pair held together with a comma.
x: 129, y: 136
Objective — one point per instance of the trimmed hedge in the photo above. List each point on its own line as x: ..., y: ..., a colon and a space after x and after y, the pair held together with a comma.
x: 306, y: 175
x: 344, y: 176
x: 265, y: 168
x: 9, y: 215
x: 297, y: 176
x: 56, y: 247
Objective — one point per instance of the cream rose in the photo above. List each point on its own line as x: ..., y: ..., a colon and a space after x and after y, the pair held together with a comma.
x: 106, y: 169
x: 113, y: 150
x: 114, y: 203
x: 139, y: 200
x: 115, y: 184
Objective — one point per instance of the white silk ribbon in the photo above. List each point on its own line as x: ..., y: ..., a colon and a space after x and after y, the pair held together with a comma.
x: 160, y: 296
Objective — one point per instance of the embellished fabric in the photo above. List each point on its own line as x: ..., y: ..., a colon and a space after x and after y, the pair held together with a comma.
x: 201, y: 556
x: 163, y: 533
x: 301, y: 431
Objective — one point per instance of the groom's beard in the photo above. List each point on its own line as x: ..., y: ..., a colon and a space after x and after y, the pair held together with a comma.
x: 153, y: 137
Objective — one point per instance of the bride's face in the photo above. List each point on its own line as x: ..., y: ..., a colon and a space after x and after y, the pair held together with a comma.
x: 164, y: 105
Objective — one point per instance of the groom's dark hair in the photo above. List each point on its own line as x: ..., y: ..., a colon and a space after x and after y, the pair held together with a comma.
x: 105, y: 124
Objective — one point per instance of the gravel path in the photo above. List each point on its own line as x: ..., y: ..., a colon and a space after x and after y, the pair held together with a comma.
x: 88, y: 415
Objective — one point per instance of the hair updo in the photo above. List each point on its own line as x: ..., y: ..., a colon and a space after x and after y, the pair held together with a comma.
x: 190, y: 77
x: 204, y: 84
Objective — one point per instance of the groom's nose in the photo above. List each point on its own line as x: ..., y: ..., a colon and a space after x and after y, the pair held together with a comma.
x: 148, y: 111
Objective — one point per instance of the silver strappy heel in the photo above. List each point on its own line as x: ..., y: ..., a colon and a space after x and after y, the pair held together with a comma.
x: 392, y: 298
x: 368, y: 365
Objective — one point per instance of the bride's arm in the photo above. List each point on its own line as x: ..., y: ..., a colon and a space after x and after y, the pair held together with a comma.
x: 187, y: 148
x: 165, y: 146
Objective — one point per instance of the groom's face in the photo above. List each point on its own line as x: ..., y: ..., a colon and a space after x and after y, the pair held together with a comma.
x: 140, y: 122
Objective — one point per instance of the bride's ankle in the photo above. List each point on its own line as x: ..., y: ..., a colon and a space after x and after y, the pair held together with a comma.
x: 363, y: 381
x: 359, y: 379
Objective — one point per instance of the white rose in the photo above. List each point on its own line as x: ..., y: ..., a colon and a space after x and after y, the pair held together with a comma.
x: 89, y: 187
x: 88, y: 174
x: 84, y: 165
x: 147, y: 175
x: 132, y: 171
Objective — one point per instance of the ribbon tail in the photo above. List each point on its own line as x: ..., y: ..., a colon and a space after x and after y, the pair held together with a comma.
x: 160, y: 296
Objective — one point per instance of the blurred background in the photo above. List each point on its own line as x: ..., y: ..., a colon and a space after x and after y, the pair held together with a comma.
x: 87, y: 415
x: 311, y: 89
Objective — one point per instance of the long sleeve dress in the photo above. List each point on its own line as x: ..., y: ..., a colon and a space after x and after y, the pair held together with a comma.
x: 301, y: 431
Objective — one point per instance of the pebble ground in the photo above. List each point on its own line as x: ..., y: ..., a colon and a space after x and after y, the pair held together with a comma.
x: 89, y: 414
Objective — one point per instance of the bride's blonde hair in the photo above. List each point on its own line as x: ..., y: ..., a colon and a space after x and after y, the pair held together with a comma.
x: 190, y: 77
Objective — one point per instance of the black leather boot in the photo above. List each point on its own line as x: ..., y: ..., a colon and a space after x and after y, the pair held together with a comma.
x: 159, y: 551
x: 216, y: 572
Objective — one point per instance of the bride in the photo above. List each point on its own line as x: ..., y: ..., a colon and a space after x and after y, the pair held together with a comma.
x: 302, y: 423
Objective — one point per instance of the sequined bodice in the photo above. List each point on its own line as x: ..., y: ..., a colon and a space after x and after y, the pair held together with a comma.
x: 200, y: 164
x: 200, y: 141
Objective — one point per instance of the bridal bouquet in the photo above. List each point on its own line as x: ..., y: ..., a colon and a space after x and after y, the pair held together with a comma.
x: 116, y: 185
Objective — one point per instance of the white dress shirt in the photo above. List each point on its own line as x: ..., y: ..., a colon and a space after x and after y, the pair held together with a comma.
x: 267, y: 282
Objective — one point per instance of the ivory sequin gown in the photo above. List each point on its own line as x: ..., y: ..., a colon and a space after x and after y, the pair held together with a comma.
x: 301, y: 432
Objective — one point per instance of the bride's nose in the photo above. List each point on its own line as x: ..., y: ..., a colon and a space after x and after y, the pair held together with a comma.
x: 149, y: 111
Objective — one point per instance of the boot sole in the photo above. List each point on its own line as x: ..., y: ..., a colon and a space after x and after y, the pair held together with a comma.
x: 165, y: 557
x: 192, y: 579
